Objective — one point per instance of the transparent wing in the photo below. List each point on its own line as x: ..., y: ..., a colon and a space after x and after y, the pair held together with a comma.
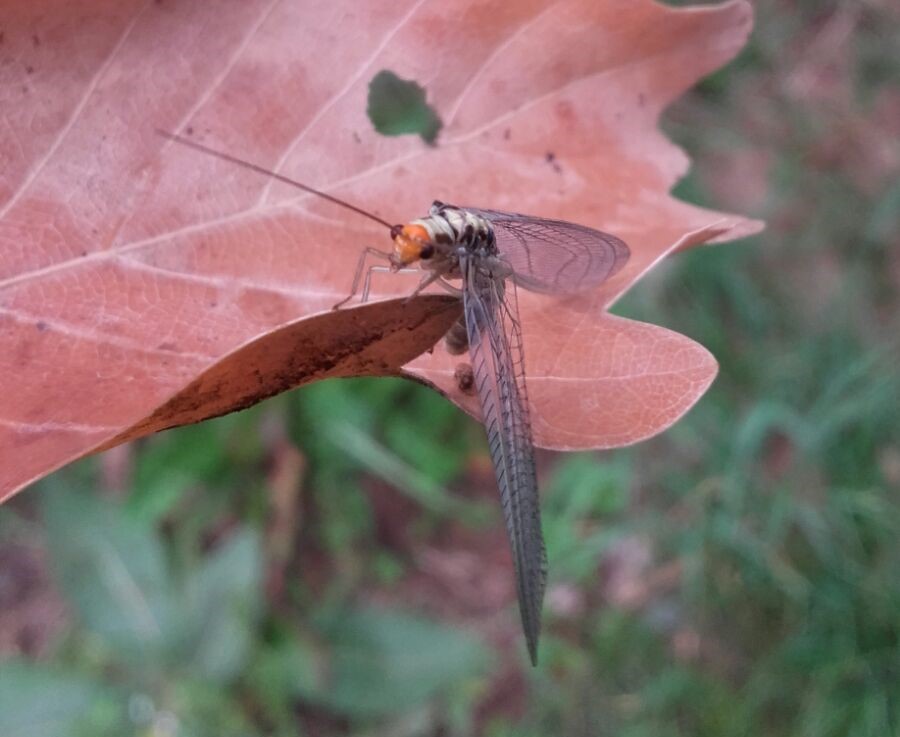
x: 495, y: 347
x: 554, y: 256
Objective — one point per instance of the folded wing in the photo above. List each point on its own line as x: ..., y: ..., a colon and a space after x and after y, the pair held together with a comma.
x: 495, y: 348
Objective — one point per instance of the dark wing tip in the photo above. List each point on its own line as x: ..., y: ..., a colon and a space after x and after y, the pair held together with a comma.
x: 532, y: 583
x: 530, y: 611
x: 532, y: 643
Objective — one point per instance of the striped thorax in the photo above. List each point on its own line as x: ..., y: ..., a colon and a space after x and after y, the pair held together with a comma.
x: 440, y: 240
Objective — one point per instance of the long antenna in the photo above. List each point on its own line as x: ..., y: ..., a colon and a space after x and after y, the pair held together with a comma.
x: 266, y: 172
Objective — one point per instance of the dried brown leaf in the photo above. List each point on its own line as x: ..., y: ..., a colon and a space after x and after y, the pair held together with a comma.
x: 143, y: 285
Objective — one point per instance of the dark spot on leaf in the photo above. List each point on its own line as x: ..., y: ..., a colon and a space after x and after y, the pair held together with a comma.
x: 507, y: 134
x: 35, y: 40
x: 356, y: 137
x: 189, y: 130
x: 642, y: 99
x: 41, y: 325
x: 29, y: 69
x: 397, y: 106
x: 84, y: 253
x: 550, y: 158
x: 565, y: 112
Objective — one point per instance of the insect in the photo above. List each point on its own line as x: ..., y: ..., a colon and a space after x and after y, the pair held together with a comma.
x: 490, y: 253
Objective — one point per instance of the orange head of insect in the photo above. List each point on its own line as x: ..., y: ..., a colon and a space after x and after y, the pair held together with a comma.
x: 411, y: 243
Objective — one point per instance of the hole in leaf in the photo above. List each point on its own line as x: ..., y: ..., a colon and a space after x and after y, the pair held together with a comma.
x: 397, y: 107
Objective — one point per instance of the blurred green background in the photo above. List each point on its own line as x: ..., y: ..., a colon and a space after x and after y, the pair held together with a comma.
x: 333, y: 562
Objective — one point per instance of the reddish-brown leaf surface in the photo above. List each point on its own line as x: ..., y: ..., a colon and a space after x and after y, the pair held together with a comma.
x: 143, y: 285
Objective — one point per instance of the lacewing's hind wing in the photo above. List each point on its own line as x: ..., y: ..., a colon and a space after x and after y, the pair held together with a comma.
x: 554, y: 256
x: 495, y: 348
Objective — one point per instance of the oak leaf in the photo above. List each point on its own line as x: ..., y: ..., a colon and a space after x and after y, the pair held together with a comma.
x: 143, y: 285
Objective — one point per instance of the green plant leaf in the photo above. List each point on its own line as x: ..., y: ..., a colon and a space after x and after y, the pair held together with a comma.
x: 385, y: 663
x: 36, y: 701
x: 113, y: 570
x: 286, y: 670
x: 222, y: 606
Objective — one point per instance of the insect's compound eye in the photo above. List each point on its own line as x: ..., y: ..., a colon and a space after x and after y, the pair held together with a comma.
x: 395, y: 231
x: 427, y: 252
x: 437, y: 204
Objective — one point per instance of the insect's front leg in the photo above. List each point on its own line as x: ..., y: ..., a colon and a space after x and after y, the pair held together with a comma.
x: 381, y: 270
x: 360, y: 265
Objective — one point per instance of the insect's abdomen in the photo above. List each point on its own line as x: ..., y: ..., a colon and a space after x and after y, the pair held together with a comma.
x: 456, y: 341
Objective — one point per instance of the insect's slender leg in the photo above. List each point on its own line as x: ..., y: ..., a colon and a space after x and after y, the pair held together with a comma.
x: 358, y: 274
x: 368, y: 281
x: 426, y: 280
x: 448, y: 287
x: 380, y: 270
